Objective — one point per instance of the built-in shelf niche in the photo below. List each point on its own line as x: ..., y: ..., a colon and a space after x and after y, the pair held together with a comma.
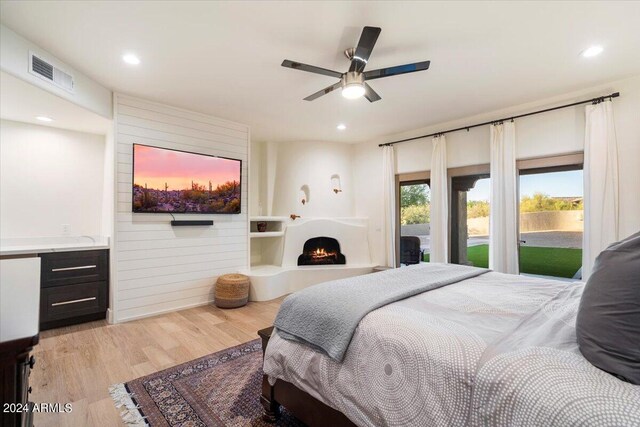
x: 266, y: 246
x: 263, y: 234
x: 275, y: 224
x: 304, y: 194
x: 336, y: 185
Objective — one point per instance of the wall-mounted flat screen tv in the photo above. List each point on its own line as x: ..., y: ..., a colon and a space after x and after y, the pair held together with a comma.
x: 172, y: 181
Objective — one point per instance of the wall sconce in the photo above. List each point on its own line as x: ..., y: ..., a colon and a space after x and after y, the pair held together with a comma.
x: 304, y: 194
x: 335, y: 183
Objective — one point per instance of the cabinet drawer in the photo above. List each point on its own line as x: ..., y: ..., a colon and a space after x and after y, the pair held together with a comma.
x: 64, y: 302
x: 67, y: 268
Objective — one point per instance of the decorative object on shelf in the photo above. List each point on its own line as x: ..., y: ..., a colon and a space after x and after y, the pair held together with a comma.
x: 294, y: 216
x: 232, y: 290
x: 262, y: 226
x: 335, y: 183
x: 304, y: 194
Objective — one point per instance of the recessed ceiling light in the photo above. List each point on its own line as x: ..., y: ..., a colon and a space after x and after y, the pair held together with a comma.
x: 592, y: 51
x: 131, y: 59
x: 44, y: 119
x: 341, y: 126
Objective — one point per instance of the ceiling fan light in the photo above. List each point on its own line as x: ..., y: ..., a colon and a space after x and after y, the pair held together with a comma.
x: 353, y: 91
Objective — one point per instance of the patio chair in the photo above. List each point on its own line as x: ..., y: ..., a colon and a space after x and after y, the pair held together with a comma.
x: 410, y: 252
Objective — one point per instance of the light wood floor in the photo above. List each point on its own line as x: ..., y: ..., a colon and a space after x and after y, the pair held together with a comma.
x: 77, y: 364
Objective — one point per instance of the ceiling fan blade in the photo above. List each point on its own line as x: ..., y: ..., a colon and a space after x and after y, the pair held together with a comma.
x: 397, y: 70
x: 371, y: 94
x: 310, y: 68
x: 367, y: 41
x: 324, y: 91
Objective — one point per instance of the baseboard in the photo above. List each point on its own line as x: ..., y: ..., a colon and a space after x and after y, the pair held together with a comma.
x: 159, y: 312
x: 110, y: 318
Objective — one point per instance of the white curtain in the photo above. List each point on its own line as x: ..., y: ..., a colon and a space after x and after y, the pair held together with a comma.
x: 600, y: 183
x: 389, y: 212
x: 503, y: 213
x: 439, y: 238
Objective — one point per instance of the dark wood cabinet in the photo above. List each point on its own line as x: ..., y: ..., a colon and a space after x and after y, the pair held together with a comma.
x: 15, y: 369
x: 68, y: 268
x: 74, y: 287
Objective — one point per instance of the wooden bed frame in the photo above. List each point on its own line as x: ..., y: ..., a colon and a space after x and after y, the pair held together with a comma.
x: 300, y: 404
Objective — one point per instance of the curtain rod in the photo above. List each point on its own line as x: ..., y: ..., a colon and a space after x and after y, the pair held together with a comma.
x: 592, y: 100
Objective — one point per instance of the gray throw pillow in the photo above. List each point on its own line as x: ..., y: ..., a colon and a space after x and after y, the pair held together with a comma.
x: 608, y: 322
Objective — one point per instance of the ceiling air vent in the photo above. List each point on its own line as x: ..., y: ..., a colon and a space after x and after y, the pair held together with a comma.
x: 46, y: 71
x: 42, y: 68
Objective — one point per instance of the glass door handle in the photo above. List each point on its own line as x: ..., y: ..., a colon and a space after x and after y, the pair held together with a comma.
x: 522, y: 242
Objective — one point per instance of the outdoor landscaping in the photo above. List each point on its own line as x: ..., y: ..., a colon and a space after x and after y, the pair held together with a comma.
x: 552, y: 226
x: 557, y: 262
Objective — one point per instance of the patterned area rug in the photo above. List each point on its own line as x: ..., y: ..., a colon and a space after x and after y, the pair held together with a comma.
x: 221, y: 389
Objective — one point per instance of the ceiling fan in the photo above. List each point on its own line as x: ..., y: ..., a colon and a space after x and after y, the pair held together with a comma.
x: 354, y: 82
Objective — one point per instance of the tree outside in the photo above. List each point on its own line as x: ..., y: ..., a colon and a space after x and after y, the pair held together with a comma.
x: 414, y: 204
x: 539, y: 202
x: 415, y: 207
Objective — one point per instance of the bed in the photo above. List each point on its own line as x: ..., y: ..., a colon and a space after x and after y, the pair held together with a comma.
x: 491, y: 350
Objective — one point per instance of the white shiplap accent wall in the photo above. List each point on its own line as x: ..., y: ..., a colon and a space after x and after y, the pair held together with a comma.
x: 157, y: 267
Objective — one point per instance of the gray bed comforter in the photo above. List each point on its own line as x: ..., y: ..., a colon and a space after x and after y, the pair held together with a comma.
x: 492, y: 350
x: 326, y: 315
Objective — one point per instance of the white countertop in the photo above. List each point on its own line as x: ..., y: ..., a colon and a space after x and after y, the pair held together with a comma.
x: 38, y: 245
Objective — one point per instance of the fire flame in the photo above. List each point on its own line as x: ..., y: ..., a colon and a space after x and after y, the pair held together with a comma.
x: 321, y: 253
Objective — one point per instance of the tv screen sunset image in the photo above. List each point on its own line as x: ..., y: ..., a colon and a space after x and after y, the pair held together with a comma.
x: 172, y: 181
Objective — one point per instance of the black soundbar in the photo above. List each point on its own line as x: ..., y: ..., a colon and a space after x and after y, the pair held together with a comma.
x: 176, y: 223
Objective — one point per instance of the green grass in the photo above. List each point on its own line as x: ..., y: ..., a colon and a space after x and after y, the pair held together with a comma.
x: 557, y: 262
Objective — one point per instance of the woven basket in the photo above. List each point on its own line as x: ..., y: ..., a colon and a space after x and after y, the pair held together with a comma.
x: 232, y: 290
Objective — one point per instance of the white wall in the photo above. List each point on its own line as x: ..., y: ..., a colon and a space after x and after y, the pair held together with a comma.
x: 255, y: 169
x: 552, y: 133
x: 50, y: 177
x: 305, y: 163
x: 162, y: 268
x: 15, y: 60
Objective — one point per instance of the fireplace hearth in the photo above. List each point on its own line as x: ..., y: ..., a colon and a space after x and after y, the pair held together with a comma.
x: 321, y: 251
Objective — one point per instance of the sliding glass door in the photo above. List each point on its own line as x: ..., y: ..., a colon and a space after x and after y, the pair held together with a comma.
x: 551, y: 221
x: 550, y: 216
x: 470, y: 219
x: 413, y: 218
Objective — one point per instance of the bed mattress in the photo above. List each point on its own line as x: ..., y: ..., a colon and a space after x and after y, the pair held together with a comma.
x: 493, y: 350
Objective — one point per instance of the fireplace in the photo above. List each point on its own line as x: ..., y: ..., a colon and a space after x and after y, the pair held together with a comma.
x: 321, y: 251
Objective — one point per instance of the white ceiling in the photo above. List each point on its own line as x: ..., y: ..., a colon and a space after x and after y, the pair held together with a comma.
x: 223, y: 58
x: 23, y: 102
